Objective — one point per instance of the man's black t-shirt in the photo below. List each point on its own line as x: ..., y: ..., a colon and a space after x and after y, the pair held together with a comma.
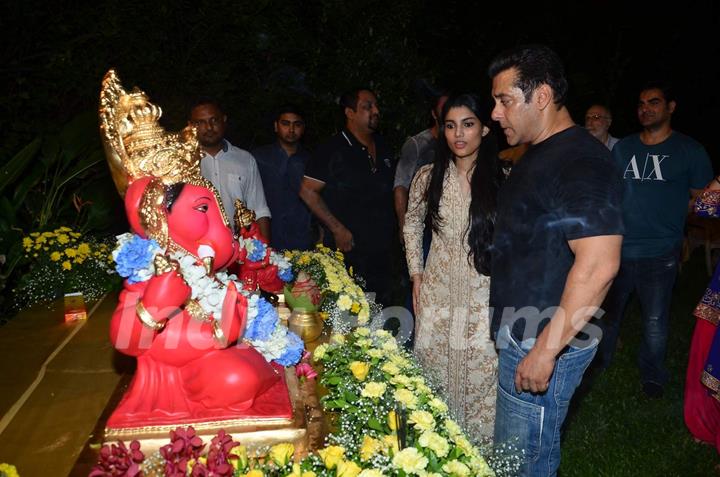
x: 357, y: 190
x: 564, y: 188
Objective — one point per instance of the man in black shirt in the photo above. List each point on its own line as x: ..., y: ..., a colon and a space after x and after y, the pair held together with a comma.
x: 556, y: 251
x: 348, y: 186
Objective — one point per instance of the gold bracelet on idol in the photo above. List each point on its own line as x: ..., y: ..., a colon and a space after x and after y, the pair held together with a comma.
x: 147, y: 319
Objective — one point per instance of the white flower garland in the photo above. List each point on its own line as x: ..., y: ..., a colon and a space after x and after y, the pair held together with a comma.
x: 210, y: 292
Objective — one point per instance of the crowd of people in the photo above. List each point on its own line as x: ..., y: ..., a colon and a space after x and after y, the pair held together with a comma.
x: 520, y: 275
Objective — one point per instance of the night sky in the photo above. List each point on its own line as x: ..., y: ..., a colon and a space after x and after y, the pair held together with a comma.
x: 54, y: 55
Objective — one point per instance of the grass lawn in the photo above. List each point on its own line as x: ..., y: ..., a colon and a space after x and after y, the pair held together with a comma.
x: 615, y: 430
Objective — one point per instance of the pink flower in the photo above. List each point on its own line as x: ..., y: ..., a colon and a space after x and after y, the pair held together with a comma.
x: 304, y: 369
x: 118, y: 461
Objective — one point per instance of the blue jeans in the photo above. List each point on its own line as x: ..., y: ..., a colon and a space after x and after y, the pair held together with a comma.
x: 653, y: 280
x: 532, y: 422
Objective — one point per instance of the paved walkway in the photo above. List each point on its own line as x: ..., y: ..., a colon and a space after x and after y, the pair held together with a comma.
x: 55, y: 381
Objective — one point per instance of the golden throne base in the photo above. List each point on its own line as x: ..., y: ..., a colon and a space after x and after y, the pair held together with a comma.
x: 305, y: 430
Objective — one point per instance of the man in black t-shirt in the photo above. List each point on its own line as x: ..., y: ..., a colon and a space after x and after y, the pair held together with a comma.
x: 556, y: 251
x: 348, y: 186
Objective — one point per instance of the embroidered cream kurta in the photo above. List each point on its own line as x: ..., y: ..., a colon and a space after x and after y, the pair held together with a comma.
x: 452, y: 326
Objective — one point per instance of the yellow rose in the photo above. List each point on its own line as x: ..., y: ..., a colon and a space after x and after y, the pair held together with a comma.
x: 241, y: 460
x: 308, y: 473
x: 363, y: 316
x: 70, y: 252
x: 55, y: 256
x: 391, y: 441
x: 406, y: 397
x: 369, y: 447
x: 371, y: 473
x: 456, y: 468
x: 392, y: 420
x: 255, y: 473
x: 375, y: 353
x: 281, y: 453
x: 435, y: 442
x: 332, y: 456
x: 423, y: 420
x: 360, y: 370
x: 337, y: 338
x: 319, y: 352
x: 347, y: 468
x: 66, y: 265
x: 373, y: 390
x: 410, y: 461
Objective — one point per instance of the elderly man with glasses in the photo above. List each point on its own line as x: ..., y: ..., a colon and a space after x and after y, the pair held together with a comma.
x: 597, y: 121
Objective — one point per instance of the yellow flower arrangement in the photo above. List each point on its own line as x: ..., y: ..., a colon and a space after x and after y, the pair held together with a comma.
x: 381, y: 427
x: 61, y: 261
x: 343, y: 298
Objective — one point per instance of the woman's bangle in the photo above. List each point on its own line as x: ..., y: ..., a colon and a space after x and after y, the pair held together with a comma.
x: 147, y: 319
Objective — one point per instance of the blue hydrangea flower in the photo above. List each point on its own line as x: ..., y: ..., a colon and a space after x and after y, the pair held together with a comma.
x: 263, y: 325
x: 286, y: 274
x: 258, y: 251
x: 293, y: 351
x: 134, y: 259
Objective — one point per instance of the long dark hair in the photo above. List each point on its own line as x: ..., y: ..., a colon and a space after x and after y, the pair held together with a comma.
x: 484, y: 185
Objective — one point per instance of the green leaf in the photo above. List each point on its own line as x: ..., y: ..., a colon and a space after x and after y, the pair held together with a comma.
x: 334, y: 380
x: 373, y: 423
x: 17, y: 164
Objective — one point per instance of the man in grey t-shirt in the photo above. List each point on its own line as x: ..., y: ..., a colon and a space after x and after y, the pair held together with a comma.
x: 417, y: 151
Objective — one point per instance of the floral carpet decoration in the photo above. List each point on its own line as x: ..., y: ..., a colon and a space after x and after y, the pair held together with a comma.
x: 385, y: 421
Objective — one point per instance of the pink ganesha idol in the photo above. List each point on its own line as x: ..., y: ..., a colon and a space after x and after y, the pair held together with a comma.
x: 208, y: 351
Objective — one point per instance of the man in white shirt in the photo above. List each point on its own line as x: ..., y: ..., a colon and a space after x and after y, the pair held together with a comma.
x: 233, y: 171
x: 597, y: 121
